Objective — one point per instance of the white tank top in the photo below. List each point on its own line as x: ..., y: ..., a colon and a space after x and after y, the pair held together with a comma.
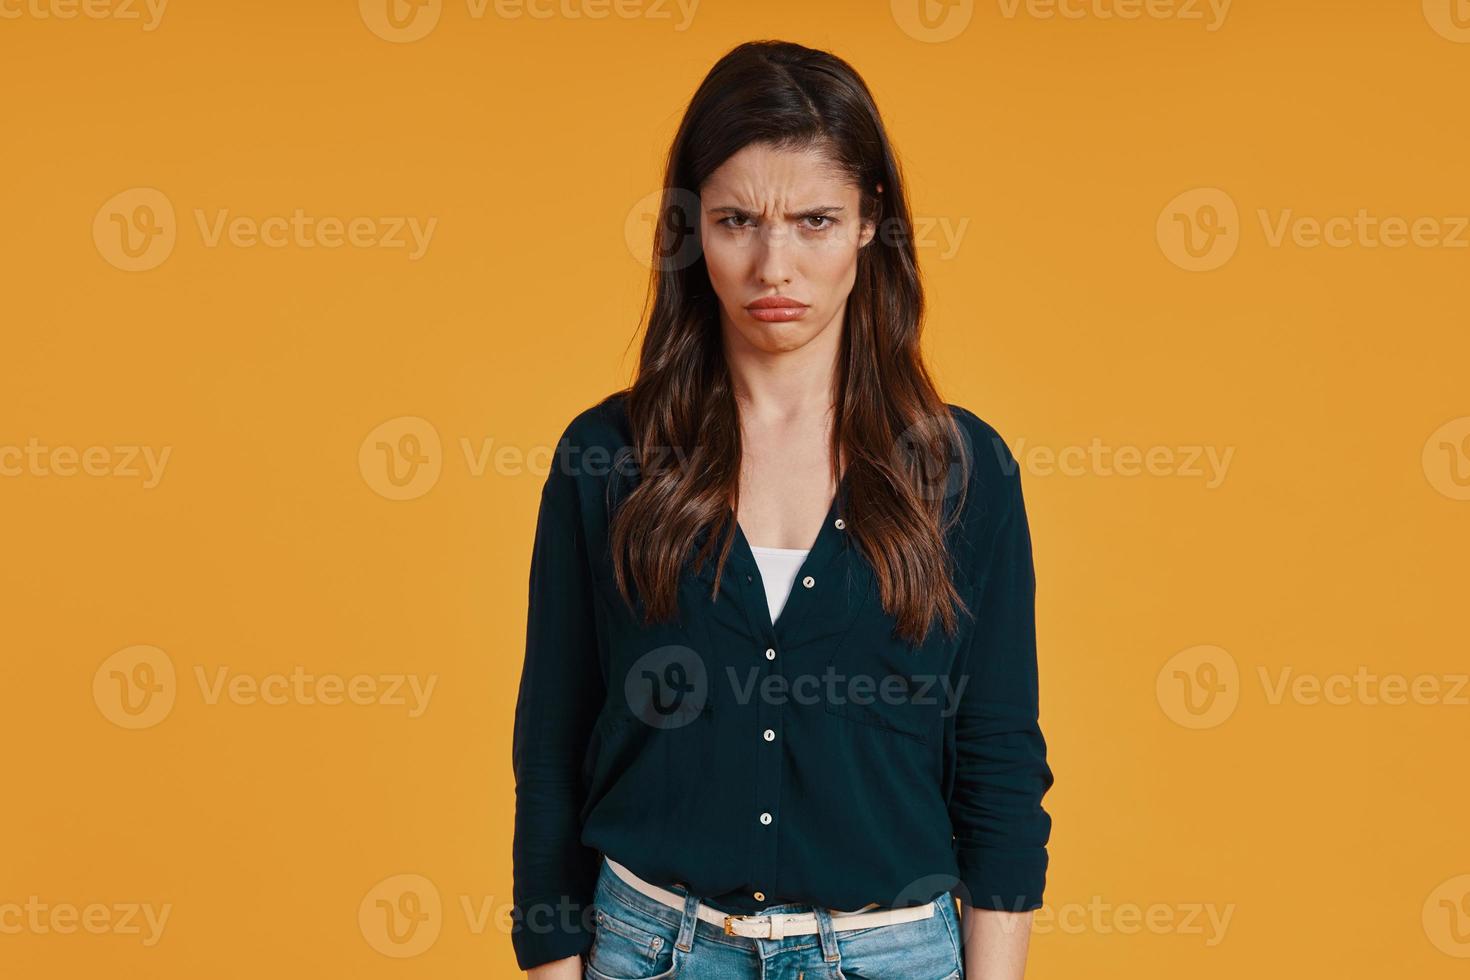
x: 778, y: 573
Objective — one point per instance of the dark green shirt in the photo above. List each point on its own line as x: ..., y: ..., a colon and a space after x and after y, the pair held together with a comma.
x: 818, y: 759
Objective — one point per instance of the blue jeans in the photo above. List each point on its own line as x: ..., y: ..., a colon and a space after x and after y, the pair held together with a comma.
x: 638, y: 938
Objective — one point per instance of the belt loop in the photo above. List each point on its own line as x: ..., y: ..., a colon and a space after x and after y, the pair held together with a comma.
x: 688, y: 921
x: 828, y: 934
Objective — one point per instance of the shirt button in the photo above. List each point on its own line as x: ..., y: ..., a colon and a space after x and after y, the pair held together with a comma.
x: 770, y: 654
x: 770, y: 735
x: 760, y: 896
x: 765, y: 818
x: 840, y: 523
x: 809, y: 581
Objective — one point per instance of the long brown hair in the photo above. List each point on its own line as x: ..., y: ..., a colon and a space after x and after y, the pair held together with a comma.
x: 891, y: 427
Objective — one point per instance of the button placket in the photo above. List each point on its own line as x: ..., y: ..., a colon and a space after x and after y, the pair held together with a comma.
x: 769, y: 715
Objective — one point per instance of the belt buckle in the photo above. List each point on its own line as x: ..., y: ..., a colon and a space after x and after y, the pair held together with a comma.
x: 729, y: 923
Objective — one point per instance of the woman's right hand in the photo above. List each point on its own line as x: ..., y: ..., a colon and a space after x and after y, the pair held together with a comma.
x: 565, y: 969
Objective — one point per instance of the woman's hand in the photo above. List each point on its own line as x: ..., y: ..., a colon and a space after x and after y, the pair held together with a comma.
x: 566, y: 969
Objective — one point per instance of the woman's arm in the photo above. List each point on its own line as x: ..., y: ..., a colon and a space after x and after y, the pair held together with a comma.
x: 561, y: 694
x: 567, y: 969
x: 1001, y: 772
x: 995, y: 943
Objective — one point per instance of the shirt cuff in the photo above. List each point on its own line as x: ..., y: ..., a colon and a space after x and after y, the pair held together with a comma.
x: 1002, y: 879
x: 551, y: 929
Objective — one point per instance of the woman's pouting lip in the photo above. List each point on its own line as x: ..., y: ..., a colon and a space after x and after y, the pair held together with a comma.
x: 777, y: 309
x: 778, y: 314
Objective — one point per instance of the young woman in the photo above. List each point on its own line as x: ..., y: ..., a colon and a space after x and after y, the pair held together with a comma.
x: 778, y: 711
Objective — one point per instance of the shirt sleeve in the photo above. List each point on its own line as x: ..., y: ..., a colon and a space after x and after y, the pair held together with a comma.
x: 1001, y: 772
x: 561, y: 694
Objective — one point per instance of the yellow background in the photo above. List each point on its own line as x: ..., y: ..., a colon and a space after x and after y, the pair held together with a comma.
x: 1331, y: 834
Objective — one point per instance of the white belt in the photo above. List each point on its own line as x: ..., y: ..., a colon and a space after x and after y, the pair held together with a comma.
x: 776, y: 926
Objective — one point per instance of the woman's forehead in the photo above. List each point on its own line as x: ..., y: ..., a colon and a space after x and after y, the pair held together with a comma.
x: 760, y: 174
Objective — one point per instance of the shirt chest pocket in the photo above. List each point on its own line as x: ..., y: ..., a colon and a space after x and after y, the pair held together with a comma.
x: 875, y: 678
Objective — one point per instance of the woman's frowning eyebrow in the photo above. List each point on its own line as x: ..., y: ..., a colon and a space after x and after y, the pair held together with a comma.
x: 825, y: 210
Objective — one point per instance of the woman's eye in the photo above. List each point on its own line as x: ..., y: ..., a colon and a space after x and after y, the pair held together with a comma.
x: 819, y: 217
x: 727, y: 222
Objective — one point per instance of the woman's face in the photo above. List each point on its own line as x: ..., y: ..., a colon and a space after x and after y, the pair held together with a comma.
x: 780, y: 224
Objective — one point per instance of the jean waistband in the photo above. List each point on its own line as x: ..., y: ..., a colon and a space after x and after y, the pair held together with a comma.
x: 626, y: 872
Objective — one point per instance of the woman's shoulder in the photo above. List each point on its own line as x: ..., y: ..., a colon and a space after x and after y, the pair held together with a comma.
x: 604, y: 424
x: 593, y: 445
x: 993, y: 466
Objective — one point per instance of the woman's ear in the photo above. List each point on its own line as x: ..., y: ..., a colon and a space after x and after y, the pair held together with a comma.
x: 870, y: 228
